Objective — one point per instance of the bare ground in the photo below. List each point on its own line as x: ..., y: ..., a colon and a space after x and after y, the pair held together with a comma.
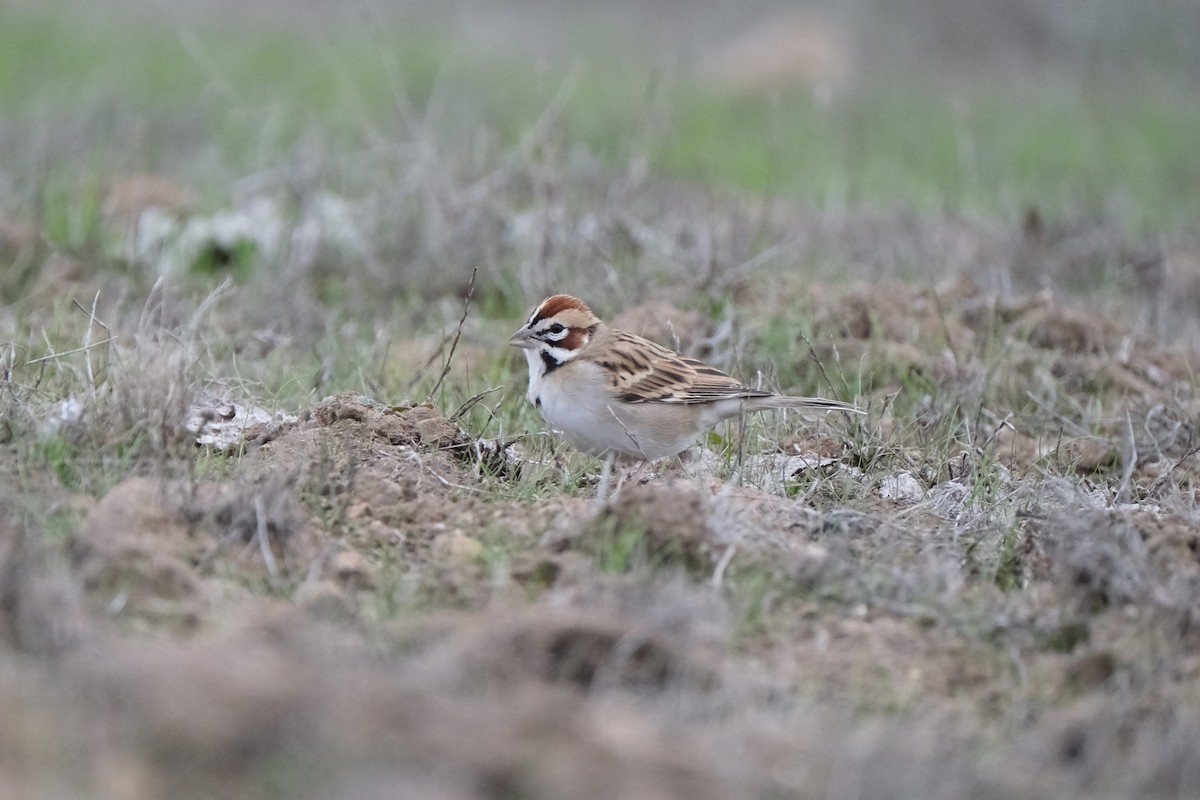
x: 357, y: 607
x: 989, y: 586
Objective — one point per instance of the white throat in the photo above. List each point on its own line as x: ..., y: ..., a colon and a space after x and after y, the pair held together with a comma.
x: 538, y: 366
x: 537, y: 369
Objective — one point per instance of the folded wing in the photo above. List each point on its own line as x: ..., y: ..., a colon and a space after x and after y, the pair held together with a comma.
x: 644, y: 372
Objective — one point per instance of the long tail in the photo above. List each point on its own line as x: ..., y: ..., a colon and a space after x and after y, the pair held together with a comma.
x: 800, y: 404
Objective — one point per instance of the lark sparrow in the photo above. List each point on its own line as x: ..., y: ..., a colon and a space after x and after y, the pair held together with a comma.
x: 611, y: 393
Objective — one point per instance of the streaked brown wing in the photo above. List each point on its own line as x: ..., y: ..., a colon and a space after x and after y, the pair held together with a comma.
x: 644, y: 372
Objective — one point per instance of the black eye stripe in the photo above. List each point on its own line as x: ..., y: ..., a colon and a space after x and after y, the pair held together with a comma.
x: 553, y: 332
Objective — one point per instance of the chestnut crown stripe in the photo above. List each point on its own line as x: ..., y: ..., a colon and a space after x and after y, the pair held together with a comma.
x: 557, y: 304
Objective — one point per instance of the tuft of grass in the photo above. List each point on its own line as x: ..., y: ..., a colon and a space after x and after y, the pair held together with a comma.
x: 620, y: 546
x: 60, y: 455
x: 1009, y: 571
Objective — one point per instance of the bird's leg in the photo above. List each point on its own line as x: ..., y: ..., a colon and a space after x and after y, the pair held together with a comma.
x: 605, y: 477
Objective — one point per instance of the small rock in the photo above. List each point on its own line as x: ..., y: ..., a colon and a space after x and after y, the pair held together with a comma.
x: 379, y: 532
x: 128, y: 196
x: 343, y: 406
x: 436, y: 432
x: 392, y: 428
x: 808, y: 561
x: 947, y: 499
x: 901, y: 486
x: 226, y: 425
x: 1091, y: 669
x: 352, y: 570
x: 774, y: 472
x: 326, y: 600
x: 137, y: 542
x: 1089, y: 456
x: 457, y: 547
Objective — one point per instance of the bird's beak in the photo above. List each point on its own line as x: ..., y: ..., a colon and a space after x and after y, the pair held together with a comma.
x: 523, y: 339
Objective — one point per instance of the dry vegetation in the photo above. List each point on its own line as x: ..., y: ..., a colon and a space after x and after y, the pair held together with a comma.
x: 252, y: 544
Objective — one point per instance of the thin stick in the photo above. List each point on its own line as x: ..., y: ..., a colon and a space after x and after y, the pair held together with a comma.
x: 9, y: 360
x: 741, y: 270
x: 812, y: 351
x: 420, y: 374
x: 941, y: 312
x: 629, y: 433
x: 723, y: 564
x: 87, y: 340
x: 415, y: 458
x: 1165, y: 478
x: 260, y: 514
x: 462, y: 320
x: 471, y: 401
x: 1075, y: 427
x: 91, y: 313
x: 1131, y: 456
x: 53, y: 356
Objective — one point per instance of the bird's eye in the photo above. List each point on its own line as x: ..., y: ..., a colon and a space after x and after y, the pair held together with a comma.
x: 556, y: 328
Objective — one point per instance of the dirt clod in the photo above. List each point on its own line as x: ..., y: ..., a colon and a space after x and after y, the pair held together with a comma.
x: 672, y: 521
x: 352, y: 570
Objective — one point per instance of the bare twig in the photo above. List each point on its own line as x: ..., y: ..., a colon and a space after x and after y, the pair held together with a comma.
x: 1165, y: 478
x: 629, y: 433
x: 415, y: 458
x: 471, y: 401
x: 260, y: 514
x: 941, y: 315
x: 462, y: 320
x: 812, y: 351
x: 87, y: 340
x: 419, y: 375
x: 723, y: 564
x: 91, y: 313
x: 1124, y: 489
x: 739, y: 271
x: 318, y: 563
x: 53, y: 356
x: 7, y: 362
x: 1074, y: 427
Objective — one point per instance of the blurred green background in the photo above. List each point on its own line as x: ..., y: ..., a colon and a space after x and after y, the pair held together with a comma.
x: 984, y: 108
